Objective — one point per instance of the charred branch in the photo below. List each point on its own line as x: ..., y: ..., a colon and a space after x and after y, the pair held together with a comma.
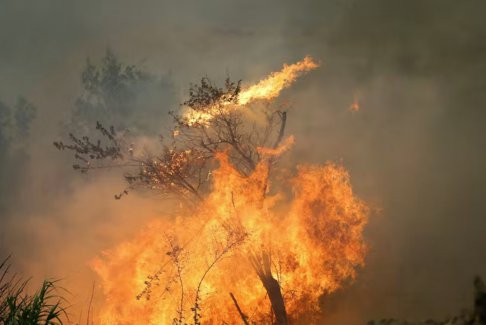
x: 244, y: 318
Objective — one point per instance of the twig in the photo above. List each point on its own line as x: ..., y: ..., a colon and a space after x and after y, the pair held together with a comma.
x: 90, y: 303
x: 243, y: 316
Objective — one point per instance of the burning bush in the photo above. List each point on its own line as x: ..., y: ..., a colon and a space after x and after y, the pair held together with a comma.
x: 249, y: 244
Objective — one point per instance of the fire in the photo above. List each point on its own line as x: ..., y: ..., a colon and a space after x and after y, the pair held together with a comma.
x: 306, y: 233
x: 271, y: 87
x: 315, y: 246
x: 266, y: 89
x: 355, y: 105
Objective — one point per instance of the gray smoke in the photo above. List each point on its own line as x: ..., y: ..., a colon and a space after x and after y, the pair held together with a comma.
x: 415, y: 149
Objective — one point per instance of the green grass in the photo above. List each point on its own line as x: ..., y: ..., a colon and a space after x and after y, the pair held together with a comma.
x: 17, y: 307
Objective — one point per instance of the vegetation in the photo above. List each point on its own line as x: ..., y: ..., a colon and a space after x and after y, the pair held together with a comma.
x: 184, y: 165
x: 15, y: 126
x: 17, y: 307
x: 122, y: 95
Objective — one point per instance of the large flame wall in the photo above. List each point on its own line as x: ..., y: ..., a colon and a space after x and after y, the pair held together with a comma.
x: 313, y: 234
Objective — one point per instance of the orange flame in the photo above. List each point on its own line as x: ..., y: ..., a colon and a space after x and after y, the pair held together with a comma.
x: 266, y: 89
x: 355, y: 106
x: 287, y: 143
x: 315, y: 245
x: 271, y: 87
x: 310, y: 227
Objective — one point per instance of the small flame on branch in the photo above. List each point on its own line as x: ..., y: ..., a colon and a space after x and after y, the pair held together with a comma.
x: 266, y: 89
x: 271, y: 87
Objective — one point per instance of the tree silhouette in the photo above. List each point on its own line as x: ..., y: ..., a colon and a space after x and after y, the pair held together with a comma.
x: 15, y: 126
x: 122, y: 95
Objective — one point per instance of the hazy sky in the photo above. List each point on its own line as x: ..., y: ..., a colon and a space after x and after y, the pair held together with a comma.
x: 416, y: 150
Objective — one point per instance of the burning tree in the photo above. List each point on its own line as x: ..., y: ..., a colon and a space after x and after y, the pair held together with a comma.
x: 245, y: 249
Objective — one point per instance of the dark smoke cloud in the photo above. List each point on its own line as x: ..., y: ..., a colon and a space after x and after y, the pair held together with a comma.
x: 415, y: 149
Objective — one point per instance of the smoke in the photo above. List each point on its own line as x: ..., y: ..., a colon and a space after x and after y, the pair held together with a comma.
x: 414, y: 150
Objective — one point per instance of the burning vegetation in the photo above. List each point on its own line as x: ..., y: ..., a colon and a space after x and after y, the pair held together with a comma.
x: 253, y: 242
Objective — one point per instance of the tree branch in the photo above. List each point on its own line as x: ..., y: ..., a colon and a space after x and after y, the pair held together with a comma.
x: 242, y: 315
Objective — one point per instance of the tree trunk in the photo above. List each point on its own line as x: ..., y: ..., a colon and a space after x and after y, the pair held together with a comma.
x: 276, y: 299
x: 262, y: 265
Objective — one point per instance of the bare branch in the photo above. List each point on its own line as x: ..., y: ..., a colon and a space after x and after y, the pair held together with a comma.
x: 244, y: 318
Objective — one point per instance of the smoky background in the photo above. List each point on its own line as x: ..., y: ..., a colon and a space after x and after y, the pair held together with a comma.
x: 415, y: 149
